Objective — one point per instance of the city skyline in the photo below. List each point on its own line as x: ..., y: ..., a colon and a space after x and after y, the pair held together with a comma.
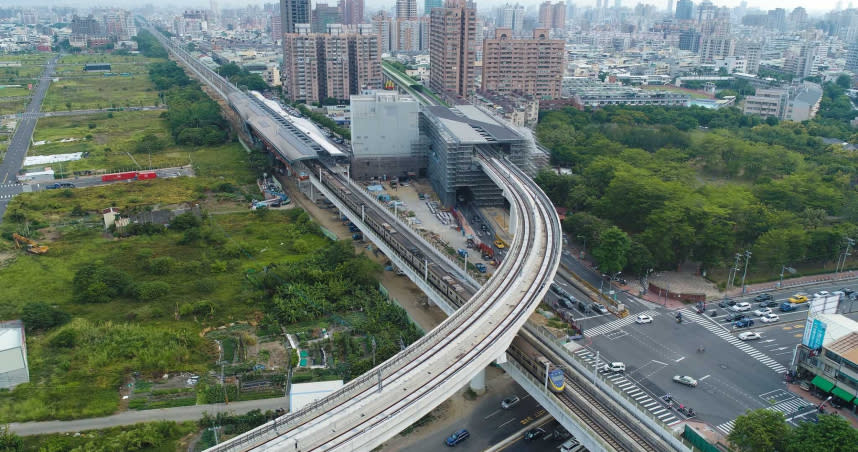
x: 372, y: 5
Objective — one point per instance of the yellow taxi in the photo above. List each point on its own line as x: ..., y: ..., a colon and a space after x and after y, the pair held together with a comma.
x: 798, y: 298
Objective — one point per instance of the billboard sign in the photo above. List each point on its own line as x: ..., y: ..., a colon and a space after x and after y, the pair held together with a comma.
x: 824, y: 305
x: 814, y: 333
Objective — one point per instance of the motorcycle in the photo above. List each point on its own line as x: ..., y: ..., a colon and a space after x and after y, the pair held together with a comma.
x: 713, y: 313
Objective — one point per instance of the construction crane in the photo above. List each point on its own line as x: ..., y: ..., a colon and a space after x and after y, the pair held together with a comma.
x: 31, y: 246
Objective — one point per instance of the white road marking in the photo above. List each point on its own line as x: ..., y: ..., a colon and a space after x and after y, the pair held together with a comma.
x: 659, y: 362
x: 490, y: 415
x: 680, y: 359
x: 507, y: 422
x: 703, y: 378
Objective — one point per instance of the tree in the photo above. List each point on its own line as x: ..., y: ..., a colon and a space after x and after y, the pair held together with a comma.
x: 41, y: 316
x: 611, y: 252
x: 844, y: 81
x: 832, y: 434
x: 760, y: 431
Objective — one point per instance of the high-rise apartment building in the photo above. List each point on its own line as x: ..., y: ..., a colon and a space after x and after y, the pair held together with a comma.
x: 512, y: 17
x: 776, y: 19
x: 294, y: 12
x: 352, y: 11
x: 452, y: 48
x: 406, y: 9
x: 324, y: 15
x: 382, y: 25
x: 852, y: 58
x: 684, y: 9
x: 552, y: 16
x: 525, y: 66
x: 429, y: 4
x: 317, y: 66
x: 276, y: 28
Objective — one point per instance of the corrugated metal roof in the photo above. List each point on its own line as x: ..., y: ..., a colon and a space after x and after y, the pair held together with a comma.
x: 11, y: 337
x: 846, y: 346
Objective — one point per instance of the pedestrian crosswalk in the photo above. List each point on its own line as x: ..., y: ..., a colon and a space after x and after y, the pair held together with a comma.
x: 615, y: 325
x: 632, y: 390
x: 787, y: 407
x: 722, y: 333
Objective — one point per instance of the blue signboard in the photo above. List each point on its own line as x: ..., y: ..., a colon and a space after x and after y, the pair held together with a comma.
x: 814, y: 333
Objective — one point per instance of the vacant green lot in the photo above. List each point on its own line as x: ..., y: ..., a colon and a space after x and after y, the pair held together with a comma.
x: 105, y: 58
x: 10, y: 106
x: 94, y: 92
x: 75, y: 370
x: 159, y: 436
x: 13, y: 91
x: 109, y: 138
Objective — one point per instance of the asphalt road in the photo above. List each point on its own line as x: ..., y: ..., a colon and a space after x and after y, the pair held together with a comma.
x: 487, y: 422
x: 20, y: 141
x: 733, y: 375
x: 184, y: 413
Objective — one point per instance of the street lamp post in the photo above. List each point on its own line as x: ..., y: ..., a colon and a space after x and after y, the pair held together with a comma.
x: 789, y: 269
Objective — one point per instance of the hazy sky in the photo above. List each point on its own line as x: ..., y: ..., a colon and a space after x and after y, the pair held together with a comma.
x: 816, y: 7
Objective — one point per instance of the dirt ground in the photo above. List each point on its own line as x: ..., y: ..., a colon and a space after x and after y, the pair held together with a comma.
x: 277, y: 354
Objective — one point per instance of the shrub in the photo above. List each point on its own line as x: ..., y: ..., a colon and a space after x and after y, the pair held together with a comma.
x: 41, y: 316
x: 151, y: 290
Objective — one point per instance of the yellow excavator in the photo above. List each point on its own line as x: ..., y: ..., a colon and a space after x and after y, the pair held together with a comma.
x: 31, y: 246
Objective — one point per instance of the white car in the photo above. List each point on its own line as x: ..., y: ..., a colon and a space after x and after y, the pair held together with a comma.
x: 614, y: 367
x: 769, y: 318
x: 762, y: 311
x: 749, y: 335
x: 643, y: 318
x: 821, y: 294
x: 741, y: 306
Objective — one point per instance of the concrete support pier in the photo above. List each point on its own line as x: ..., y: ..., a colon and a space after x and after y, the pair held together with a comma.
x: 478, y: 383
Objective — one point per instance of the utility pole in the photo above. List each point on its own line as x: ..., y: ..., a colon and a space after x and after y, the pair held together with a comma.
x: 732, y: 275
x: 747, y: 259
x: 841, y: 262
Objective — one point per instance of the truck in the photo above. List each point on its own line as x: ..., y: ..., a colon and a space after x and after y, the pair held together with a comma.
x: 462, y: 252
x: 480, y: 267
x: 387, y: 227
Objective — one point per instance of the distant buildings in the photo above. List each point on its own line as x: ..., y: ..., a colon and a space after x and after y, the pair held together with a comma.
x: 524, y: 66
x: 337, y: 64
x: 451, y: 48
x: 553, y: 16
x: 294, y: 12
x: 684, y: 9
x: 591, y: 93
x: 797, y: 103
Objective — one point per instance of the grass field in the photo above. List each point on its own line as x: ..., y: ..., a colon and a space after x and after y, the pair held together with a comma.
x: 113, y: 137
x: 107, y: 137
x: 14, y: 91
x: 94, y: 92
x: 105, y: 58
x: 8, y: 106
